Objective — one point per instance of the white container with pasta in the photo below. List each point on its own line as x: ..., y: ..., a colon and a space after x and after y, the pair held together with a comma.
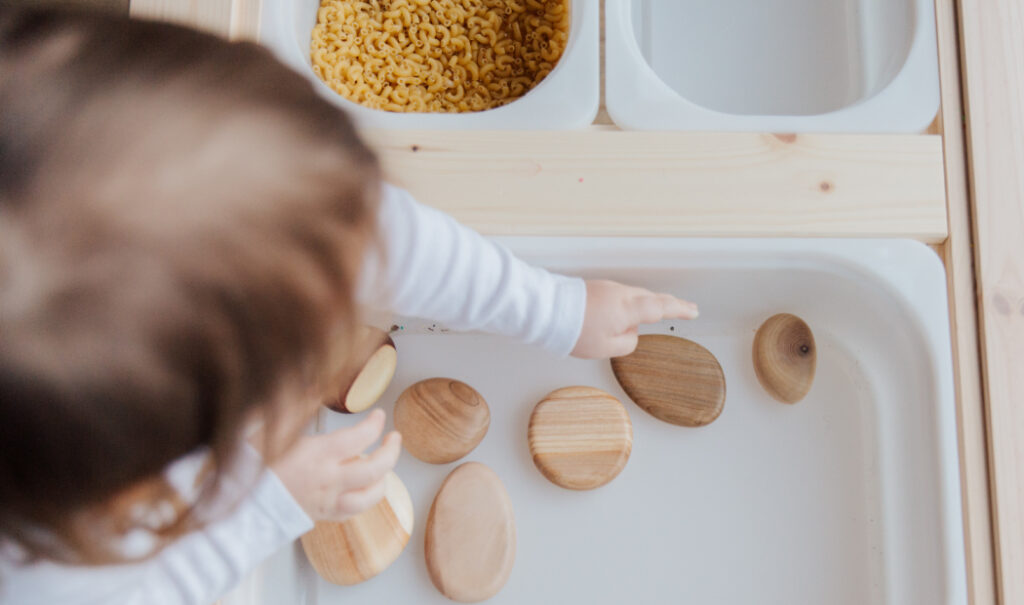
x: 568, y: 97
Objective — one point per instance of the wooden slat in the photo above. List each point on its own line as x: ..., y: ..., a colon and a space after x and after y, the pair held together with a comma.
x: 602, y: 118
x: 609, y: 182
x: 992, y: 44
x: 245, y: 20
x: 210, y: 15
x: 959, y: 258
x: 234, y: 19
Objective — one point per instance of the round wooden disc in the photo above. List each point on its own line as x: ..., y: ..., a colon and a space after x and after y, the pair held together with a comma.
x: 441, y: 419
x: 673, y: 379
x: 580, y: 437
x: 470, y: 542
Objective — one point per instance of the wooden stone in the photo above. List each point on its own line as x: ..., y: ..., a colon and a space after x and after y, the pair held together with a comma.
x: 441, y: 419
x: 470, y: 535
x: 673, y: 379
x: 580, y: 437
x: 785, y: 357
x: 359, y: 548
x: 364, y: 374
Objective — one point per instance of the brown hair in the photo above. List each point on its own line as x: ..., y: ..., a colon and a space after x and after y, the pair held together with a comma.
x: 181, y: 223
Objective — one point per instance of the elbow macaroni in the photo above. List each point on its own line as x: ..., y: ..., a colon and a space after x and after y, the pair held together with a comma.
x: 437, y: 55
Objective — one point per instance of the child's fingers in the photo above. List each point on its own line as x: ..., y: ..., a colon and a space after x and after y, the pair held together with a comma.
x: 362, y: 472
x: 648, y: 307
x: 357, y: 501
x: 349, y: 442
x: 643, y: 308
x: 623, y: 344
x: 677, y: 308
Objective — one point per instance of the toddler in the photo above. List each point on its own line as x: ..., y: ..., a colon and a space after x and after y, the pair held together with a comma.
x: 189, y: 237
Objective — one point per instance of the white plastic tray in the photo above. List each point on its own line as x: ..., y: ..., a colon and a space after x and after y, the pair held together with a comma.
x: 771, y: 65
x: 850, y: 496
x: 567, y: 98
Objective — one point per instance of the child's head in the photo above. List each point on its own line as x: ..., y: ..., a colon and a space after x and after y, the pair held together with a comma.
x: 181, y: 222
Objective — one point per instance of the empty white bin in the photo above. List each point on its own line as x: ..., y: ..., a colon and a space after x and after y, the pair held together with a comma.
x: 772, y: 65
x: 567, y: 98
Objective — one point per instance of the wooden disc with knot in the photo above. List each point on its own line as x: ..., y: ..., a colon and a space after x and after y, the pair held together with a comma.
x: 580, y: 437
x: 441, y: 419
x: 785, y: 357
x: 673, y: 379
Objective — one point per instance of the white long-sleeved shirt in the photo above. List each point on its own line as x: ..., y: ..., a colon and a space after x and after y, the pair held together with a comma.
x: 434, y: 269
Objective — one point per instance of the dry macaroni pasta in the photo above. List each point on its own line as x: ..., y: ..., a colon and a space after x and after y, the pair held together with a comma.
x: 437, y: 55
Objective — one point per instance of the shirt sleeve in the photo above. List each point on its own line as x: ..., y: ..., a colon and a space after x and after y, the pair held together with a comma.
x: 195, y: 570
x: 431, y: 267
x: 202, y: 566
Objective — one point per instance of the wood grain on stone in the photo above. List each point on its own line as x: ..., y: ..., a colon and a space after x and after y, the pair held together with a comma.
x: 470, y: 535
x: 441, y: 419
x: 362, y: 373
x: 673, y: 379
x: 580, y: 437
x: 359, y: 548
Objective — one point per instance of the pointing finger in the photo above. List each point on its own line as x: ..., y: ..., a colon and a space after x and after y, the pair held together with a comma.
x: 644, y: 308
x: 648, y: 308
x: 677, y: 308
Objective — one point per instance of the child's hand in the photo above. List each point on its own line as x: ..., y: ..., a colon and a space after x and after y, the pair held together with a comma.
x: 613, y: 313
x: 329, y: 478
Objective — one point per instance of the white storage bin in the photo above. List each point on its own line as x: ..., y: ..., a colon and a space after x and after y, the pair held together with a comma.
x: 772, y: 65
x: 849, y: 497
x: 567, y: 98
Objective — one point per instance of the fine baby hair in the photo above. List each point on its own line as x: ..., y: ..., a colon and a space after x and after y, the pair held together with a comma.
x: 181, y: 225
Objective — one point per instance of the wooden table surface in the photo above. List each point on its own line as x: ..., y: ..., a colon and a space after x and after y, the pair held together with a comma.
x: 958, y: 253
x: 962, y: 191
x: 993, y: 54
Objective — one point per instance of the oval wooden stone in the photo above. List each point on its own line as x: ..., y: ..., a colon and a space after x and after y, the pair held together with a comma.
x: 673, y: 379
x: 470, y: 535
x: 785, y: 357
x: 580, y: 437
x: 359, y: 548
x: 441, y: 419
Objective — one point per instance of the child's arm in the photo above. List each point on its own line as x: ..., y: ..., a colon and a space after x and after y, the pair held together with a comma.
x: 202, y: 566
x: 322, y: 477
x: 195, y: 570
x: 438, y: 269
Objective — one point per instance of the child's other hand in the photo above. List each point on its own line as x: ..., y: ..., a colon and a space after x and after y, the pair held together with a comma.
x: 613, y: 313
x: 328, y: 476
